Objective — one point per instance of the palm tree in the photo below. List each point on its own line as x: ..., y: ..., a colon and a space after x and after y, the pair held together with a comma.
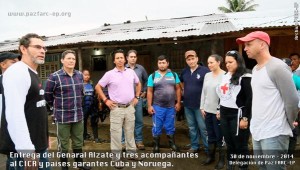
x: 238, y: 6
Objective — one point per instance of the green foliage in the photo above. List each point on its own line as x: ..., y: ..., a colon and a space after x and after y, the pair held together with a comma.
x: 238, y: 6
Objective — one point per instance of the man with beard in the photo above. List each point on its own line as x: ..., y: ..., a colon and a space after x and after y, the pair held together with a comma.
x: 24, y: 121
x: 163, y: 91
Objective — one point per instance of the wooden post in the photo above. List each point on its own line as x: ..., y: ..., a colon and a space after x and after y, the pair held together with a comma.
x: 240, y: 48
x: 79, y: 59
x: 214, y: 47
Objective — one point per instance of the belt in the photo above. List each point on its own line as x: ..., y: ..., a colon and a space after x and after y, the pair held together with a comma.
x: 123, y: 105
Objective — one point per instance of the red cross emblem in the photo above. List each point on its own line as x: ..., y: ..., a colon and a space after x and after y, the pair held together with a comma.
x: 224, y: 88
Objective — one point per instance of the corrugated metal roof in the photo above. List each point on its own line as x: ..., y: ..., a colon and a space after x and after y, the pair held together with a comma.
x: 175, y: 27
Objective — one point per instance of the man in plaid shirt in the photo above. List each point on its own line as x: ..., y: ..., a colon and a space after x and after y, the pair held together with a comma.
x: 64, y: 92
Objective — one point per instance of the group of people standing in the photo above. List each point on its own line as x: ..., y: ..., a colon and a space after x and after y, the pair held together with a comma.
x: 221, y: 108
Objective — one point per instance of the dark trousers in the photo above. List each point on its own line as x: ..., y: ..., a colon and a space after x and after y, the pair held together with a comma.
x: 236, y: 145
x: 214, y: 133
x: 87, y: 111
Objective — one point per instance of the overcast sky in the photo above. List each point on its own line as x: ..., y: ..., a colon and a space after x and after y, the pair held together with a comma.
x: 84, y: 15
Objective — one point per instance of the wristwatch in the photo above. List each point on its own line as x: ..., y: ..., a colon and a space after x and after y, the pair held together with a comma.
x: 138, y: 97
x: 245, y: 119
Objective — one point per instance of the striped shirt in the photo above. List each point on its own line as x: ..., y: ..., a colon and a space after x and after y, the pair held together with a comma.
x: 64, y: 93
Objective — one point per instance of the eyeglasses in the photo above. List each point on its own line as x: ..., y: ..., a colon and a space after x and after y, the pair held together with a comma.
x: 39, y: 47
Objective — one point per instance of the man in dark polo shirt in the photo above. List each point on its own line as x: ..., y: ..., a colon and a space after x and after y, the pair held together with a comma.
x: 192, y: 79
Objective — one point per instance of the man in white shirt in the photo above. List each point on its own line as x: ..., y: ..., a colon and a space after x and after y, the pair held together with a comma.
x: 274, y: 104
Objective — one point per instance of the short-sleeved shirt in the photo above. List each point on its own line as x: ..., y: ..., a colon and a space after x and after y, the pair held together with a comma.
x: 164, y: 88
x: 142, y: 75
x: 193, y: 83
x: 120, y: 84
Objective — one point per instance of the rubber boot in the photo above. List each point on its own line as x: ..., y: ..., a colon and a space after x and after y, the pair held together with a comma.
x: 95, y: 132
x: 64, y: 161
x: 172, y: 143
x: 64, y: 165
x: 210, y: 155
x: 79, y: 160
x: 221, y: 161
x: 156, y: 141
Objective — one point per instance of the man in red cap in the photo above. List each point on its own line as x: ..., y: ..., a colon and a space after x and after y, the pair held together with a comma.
x: 274, y: 104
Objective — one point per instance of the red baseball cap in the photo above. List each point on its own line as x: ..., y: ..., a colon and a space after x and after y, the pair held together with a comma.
x: 254, y: 35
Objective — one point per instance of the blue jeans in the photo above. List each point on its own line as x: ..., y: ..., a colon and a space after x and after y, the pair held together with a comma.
x: 163, y: 118
x: 196, y: 125
x: 138, y: 125
x: 275, y: 146
x: 15, y: 163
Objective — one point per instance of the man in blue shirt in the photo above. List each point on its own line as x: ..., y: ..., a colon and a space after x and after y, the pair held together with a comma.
x: 143, y: 77
x: 163, y: 91
x: 192, y: 79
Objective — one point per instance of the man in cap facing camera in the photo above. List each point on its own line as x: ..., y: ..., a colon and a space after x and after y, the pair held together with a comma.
x: 192, y: 78
x: 275, y: 101
x: 7, y: 59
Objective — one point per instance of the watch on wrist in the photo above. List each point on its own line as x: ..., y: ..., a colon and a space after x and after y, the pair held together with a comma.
x: 138, y: 97
x: 245, y: 119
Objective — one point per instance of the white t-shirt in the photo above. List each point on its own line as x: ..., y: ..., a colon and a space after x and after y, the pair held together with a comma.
x: 271, y: 104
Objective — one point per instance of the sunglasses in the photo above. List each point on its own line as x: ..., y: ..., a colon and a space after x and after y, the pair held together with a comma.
x: 232, y: 52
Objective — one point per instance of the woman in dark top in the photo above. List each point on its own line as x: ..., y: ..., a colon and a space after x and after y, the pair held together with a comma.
x: 235, y: 109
